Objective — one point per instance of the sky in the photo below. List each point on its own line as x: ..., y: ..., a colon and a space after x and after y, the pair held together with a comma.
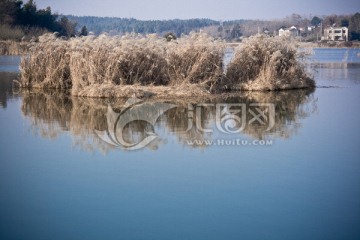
x: 213, y: 9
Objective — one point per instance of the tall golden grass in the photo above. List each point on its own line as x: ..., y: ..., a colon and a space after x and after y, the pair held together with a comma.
x: 148, y: 65
x: 268, y: 63
x: 196, y: 59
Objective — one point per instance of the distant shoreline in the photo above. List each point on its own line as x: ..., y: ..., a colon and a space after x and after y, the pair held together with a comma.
x: 350, y: 44
x: 14, y: 48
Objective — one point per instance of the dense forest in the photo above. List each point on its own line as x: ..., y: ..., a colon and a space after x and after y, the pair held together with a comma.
x: 230, y: 30
x: 125, y: 25
x: 20, y: 20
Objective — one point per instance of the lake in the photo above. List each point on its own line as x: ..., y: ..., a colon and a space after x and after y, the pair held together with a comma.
x: 274, y: 165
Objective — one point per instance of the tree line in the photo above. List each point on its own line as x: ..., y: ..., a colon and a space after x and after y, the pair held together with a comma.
x: 21, y: 19
x: 229, y: 30
x: 114, y: 25
x: 29, y: 20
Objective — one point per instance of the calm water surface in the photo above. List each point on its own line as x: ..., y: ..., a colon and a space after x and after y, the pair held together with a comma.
x: 64, y: 175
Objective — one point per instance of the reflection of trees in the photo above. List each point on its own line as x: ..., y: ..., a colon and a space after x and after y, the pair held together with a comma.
x: 6, y: 83
x: 53, y: 113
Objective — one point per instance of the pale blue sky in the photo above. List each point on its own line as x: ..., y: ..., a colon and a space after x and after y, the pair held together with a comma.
x: 214, y: 9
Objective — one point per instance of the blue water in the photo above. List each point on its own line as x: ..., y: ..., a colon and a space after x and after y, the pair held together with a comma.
x: 59, y: 180
x: 9, y: 63
x: 337, y: 55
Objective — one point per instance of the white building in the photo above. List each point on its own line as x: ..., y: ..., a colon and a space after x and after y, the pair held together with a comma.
x: 336, y: 34
x: 289, y: 32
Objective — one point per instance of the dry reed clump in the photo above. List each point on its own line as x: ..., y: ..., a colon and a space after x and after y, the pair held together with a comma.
x: 90, y: 61
x: 102, y: 66
x: 144, y: 66
x: 196, y: 59
x: 47, y: 65
x: 112, y: 61
x: 267, y: 63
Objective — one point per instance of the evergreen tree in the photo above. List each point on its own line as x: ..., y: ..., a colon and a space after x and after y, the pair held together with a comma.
x: 354, y: 27
x: 344, y: 22
x: 67, y: 27
x: 84, y: 31
x: 315, y: 21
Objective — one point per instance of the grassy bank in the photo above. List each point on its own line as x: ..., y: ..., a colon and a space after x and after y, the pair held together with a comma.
x: 150, y: 66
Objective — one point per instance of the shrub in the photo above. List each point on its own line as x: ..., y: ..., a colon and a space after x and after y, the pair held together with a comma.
x: 170, y: 36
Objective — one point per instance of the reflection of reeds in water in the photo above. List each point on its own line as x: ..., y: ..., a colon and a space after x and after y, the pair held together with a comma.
x: 48, y: 112
x: 290, y: 108
x: 54, y: 113
x: 183, y: 121
x: 6, y: 87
